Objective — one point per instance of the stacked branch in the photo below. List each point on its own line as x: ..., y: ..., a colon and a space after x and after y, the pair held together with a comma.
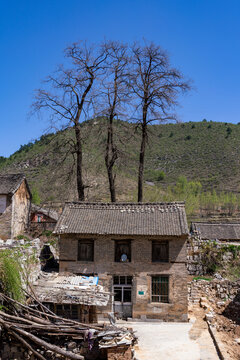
x: 45, y: 334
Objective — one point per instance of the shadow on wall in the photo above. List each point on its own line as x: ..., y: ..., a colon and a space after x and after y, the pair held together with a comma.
x: 48, y: 262
x: 232, y: 311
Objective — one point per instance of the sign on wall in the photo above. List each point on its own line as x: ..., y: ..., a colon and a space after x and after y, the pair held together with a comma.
x: 142, y: 291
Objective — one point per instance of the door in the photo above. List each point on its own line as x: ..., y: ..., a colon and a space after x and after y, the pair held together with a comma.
x: 122, y: 288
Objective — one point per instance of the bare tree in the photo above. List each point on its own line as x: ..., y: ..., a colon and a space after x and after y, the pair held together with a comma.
x: 69, y: 95
x: 155, y: 85
x: 114, y: 96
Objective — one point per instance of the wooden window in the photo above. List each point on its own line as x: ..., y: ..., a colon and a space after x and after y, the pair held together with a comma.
x: 68, y: 311
x: 123, y: 250
x: 160, y: 251
x: 122, y: 280
x: 160, y: 288
x: 85, y: 250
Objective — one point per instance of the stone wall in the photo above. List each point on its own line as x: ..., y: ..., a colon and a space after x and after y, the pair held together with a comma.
x: 221, y: 289
x: 6, y: 223
x: 141, y: 268
x: 194, y: 257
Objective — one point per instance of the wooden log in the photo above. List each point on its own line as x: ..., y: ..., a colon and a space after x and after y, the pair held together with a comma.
x: 43, y: 307
x: 43, y: 343
x: 37, y: 319
x: 26, y: 344
x: 53, y: 316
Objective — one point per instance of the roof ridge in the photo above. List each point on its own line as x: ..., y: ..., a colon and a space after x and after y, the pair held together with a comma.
x: 174, y: 203
x: 215, y: 223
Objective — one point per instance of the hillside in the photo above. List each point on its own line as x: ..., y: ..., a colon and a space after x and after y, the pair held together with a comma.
x: 208, y: 152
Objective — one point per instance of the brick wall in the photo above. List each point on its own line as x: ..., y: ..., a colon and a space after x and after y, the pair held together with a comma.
x: 140, y: 268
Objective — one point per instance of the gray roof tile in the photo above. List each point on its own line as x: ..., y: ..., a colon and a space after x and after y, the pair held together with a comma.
x: 220, y: 231
x: 123, y: 219
x: 9, y: 183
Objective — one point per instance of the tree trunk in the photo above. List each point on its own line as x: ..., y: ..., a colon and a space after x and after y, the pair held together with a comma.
x: 80, y: 185
x: 141, y: 164
x: 142, y: 155
x: 110, y: 158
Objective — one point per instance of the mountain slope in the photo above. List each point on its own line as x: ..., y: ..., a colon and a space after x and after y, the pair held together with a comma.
x: 205, y: 151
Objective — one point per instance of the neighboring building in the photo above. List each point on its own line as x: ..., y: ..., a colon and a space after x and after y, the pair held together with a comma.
x: 15, y: 202
x: 43, y: 218
x: 138, y: 251
x: 229, y: 232
x: 71, y: 296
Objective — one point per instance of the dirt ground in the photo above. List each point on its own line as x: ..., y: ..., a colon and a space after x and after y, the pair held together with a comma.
x: 227, y: 329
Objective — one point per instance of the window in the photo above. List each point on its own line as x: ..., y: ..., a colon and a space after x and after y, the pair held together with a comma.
x: 160, y: 251
x: 85, y: 250
x: 68, y: 311
x: 122, y: 280
x: 123, y: 250
x: 160, y: 289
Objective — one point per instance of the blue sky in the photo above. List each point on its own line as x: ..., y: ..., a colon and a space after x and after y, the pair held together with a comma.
x: 201, y: 37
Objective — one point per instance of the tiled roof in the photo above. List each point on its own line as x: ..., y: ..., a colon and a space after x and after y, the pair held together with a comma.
x: 46, y: 211
x: 9, y: 183
x: 123, y: 219
x: 213, y: 231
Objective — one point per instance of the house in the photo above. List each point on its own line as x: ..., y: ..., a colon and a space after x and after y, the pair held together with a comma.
x: 223, y: 232
x: 15, y: 201
x: 71, y: 296
x: 43, y: 218
x: 138, y: 251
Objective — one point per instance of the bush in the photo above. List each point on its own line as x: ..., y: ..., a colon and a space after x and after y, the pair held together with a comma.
x: 188, y: 137
x: 229, y: 131
x: 10, y: 278
x: 161, y: 176
x: 22, y: 237
x: 36, y: 197
x: 155, y: 175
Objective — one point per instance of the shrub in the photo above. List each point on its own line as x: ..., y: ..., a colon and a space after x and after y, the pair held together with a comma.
x: 161, y: 176
x: 188, y: 137
x: 10, y: 278
x: 229, y: 131
x: 36, y: 197
x: 155, y: 175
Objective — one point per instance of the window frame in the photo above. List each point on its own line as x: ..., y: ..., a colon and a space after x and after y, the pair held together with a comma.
x: 161, y: 242
x: 129, y: 243
x: 161, y: 299
x: 86, y: 241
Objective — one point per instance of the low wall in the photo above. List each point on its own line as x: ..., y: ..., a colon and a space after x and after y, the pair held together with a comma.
x: 221, y: 289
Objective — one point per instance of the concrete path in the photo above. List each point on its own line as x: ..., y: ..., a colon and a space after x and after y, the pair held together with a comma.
x: 172, y: 341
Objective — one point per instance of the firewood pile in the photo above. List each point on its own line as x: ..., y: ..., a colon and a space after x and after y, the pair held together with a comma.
x: 44, y: 335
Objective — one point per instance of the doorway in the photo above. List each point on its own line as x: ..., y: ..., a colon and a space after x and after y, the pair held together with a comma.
x: 122, y: 288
